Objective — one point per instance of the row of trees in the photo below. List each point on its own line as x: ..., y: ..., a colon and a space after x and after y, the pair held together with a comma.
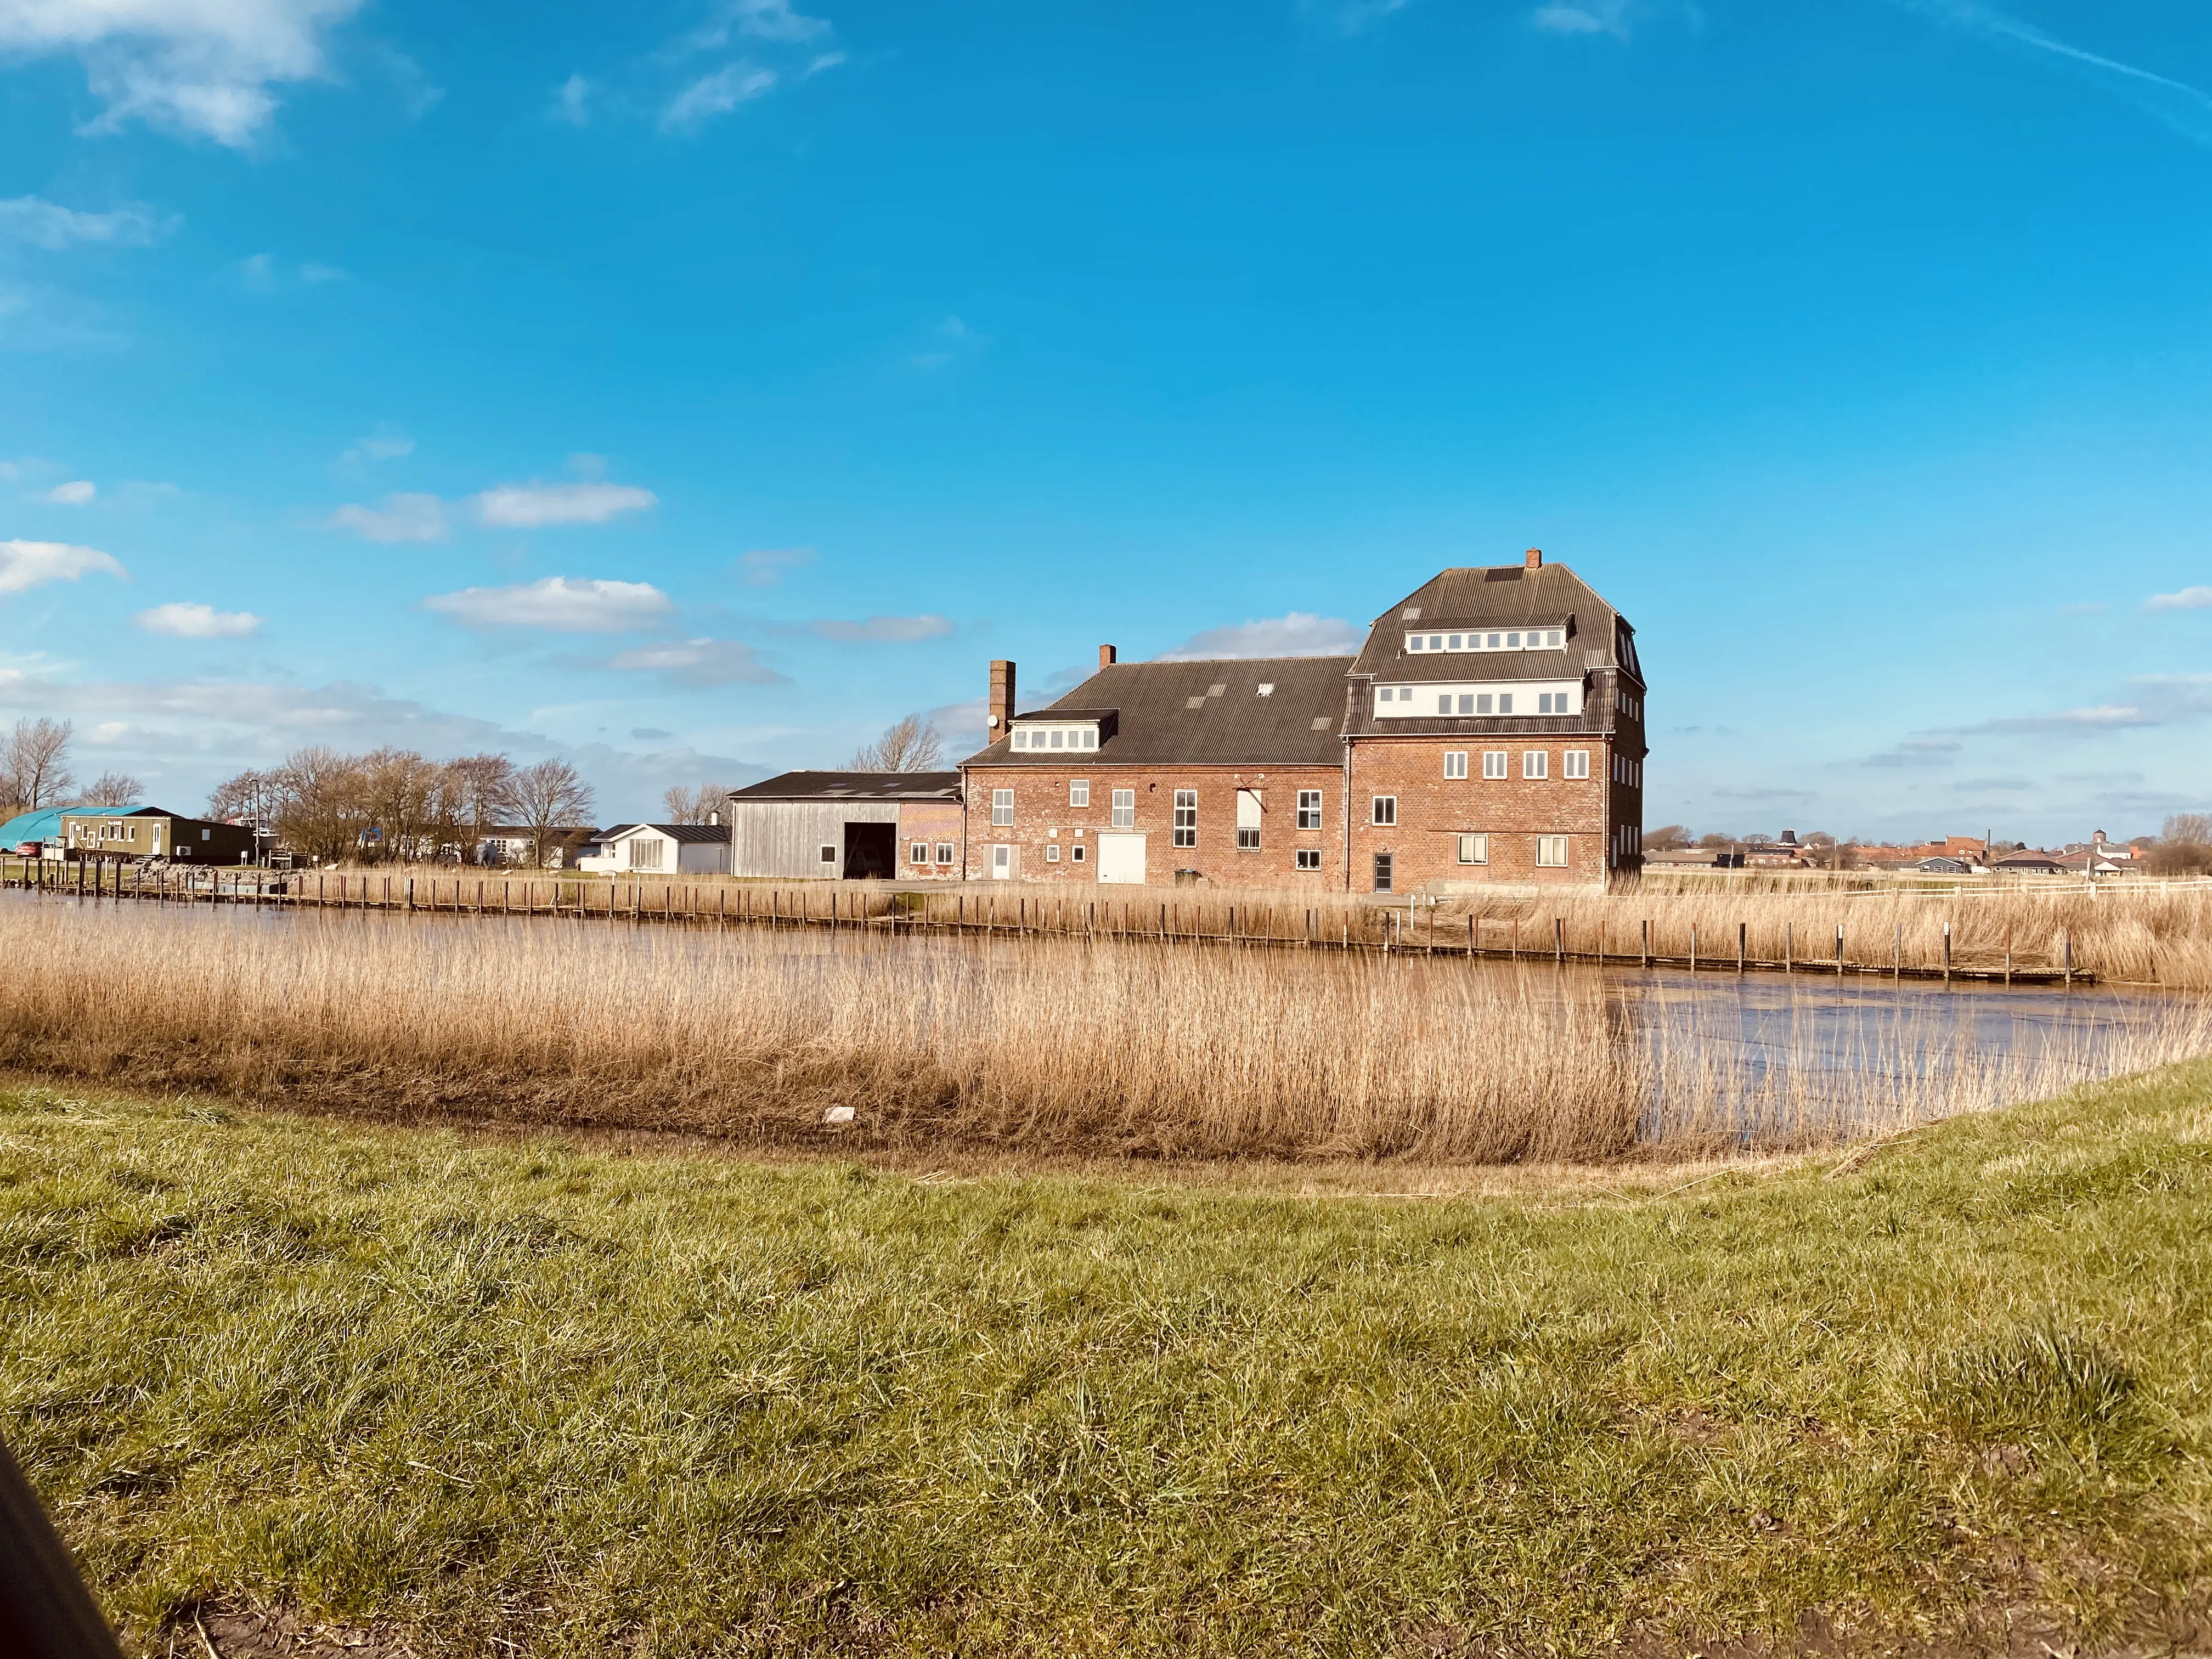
x: 35, y: 772
x: 2183, y: 845
x: 393, y: 803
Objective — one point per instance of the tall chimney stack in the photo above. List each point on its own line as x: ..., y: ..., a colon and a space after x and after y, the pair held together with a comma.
x: 1002, y: 698
x: 1108, y: 656
x: 1535, y: 558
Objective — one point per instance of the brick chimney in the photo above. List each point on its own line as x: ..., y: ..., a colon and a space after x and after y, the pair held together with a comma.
x: 1108, y: 656
x: 1002, y: 698
x: 1535, y: 558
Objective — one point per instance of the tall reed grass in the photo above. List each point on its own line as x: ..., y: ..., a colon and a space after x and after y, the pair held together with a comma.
x: 1043, y: 1045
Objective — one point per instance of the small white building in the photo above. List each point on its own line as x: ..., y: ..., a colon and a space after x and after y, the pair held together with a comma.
x: 661, y: 849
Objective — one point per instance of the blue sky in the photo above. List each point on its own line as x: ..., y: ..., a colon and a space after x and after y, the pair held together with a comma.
x: 693, y: 388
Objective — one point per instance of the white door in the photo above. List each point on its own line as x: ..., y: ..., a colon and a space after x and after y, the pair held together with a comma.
x: 1002, y: 863
x: 1122, y: 858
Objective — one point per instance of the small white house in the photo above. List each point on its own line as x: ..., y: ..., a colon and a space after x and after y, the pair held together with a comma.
x: 661, y: 849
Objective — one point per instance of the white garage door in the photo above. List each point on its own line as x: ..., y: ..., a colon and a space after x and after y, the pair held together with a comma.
x: 1122, y: 858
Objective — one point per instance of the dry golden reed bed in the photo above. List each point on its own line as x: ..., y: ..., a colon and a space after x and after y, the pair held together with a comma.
x: 1044, y: 1045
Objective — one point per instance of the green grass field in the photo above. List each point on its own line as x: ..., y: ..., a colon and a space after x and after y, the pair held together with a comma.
x: 492, y: 1396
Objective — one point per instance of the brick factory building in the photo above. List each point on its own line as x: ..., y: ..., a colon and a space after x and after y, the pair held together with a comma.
x: 1491, y: 731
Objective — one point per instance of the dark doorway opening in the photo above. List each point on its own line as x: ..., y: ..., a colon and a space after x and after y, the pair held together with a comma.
x: 871, y: 852
x: 1382, y: 872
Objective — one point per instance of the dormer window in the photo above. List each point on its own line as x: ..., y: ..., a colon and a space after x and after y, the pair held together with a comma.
x: 1031, y: 738
x: 1506, y: 639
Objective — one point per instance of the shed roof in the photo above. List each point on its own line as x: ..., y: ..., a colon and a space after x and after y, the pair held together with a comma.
x: 853, y: 786
x: 1206, y: 713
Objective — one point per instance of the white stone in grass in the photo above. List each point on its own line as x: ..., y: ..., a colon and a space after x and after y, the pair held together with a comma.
x: 838, y: 1114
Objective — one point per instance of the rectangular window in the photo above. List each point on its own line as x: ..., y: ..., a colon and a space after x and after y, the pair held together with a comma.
x: 1385, y: 695
x: 1466, y: 703
x: 1382, y: 872
x: 1125, y: 809
x: 1078, y: 792
x: 1021, y: 737
x: 1483, y: 703
x: 1552, y: 852
x: 1058, y: 737
x: 1247, y: 820
x: 1577, y: 763
x: 918, y: 853
x: 829, y: 855
x: 1536, y: 762
x: 1309, y: 858
x: 1454, y: 641
x: 1505, y: 703
x: 1454, y: 762
x: 1494, y: 762
x: 1002, y: 808
x: 645, y: 855
x: 1474, y: 849
x: 1185, y: 817
x: 1444, y: 704
x: 1386, y: 810
x: 1309, y: 809
x: 1077, y: 854
x: 944, y: 852
x: 1052, y: 851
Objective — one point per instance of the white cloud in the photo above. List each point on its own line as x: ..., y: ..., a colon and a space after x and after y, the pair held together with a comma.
x: 885, y: 630
x: 77, y: 492
x: 49, y: 225
x: 764, y: 566
x: 1581, y: 20
x: 24, y: 565
x: 2189, y: 598
x: 697, y: 662
x: 198, y: 66
x: 571, y: 103
x: 758, y: 20
x: 258, y: 272
x: 531, y: 505
x: 717, y: 94
x: 1298, y: 634
x: 386, y: 443
x: 952, y: 336
x: 196, y: 622
x: 556, y: 603
x: 315, y: 274
x: 401, y: 518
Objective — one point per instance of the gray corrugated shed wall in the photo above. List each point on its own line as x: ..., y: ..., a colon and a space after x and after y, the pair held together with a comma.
x: 784, y: 839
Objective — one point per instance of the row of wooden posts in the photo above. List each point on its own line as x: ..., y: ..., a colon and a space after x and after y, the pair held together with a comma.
x: 902, y: 911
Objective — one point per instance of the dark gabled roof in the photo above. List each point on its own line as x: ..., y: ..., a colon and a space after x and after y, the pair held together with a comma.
x: 1484, y: 597
x: 1513, y: 595
x: 1201, y: 714
x: 673, y: 831
x: 830, y: 787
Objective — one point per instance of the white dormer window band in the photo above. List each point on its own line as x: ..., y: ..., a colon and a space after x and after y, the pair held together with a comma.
x: 1055, y: 736
x: 1503, y: 639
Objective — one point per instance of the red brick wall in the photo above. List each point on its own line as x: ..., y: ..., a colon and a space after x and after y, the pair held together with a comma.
x: 1513, y: 810
x: 1044, y: 819
x: 932, y: 825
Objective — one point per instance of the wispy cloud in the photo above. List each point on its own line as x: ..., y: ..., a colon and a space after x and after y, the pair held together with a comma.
x: 717, y: 94
x: 2183, y: 108
x: 557, y: 604
x: 948, y: 340
x: 1296, y: 634
x: 1608, y: 17
x: 533, y: 505
x: 206, y: 69
x: 25, y: 565
x: 692, y: 663
x: 2189, y: 598
x: 1918, y: 751
x: 77, y: 492
x: 572, y: 103
x: 885, y: 629
x: 45, y: 224
x: 386, y: 443
x: 402, y: 518
x: 1764, y: 795
x: 764, y: 566
x: 196, y: 622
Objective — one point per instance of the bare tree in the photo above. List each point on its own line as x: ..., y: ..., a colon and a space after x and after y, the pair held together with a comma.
x: 1666, y: 838
x: 253, y: 796
x: 548, y: 797
x: 2184, y: 846
x: 482, y: 788
x: 321, y: 802
x: 35, y: 757
x: 113, y: 789
x: 912, y: 745
x: 693, y: 806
